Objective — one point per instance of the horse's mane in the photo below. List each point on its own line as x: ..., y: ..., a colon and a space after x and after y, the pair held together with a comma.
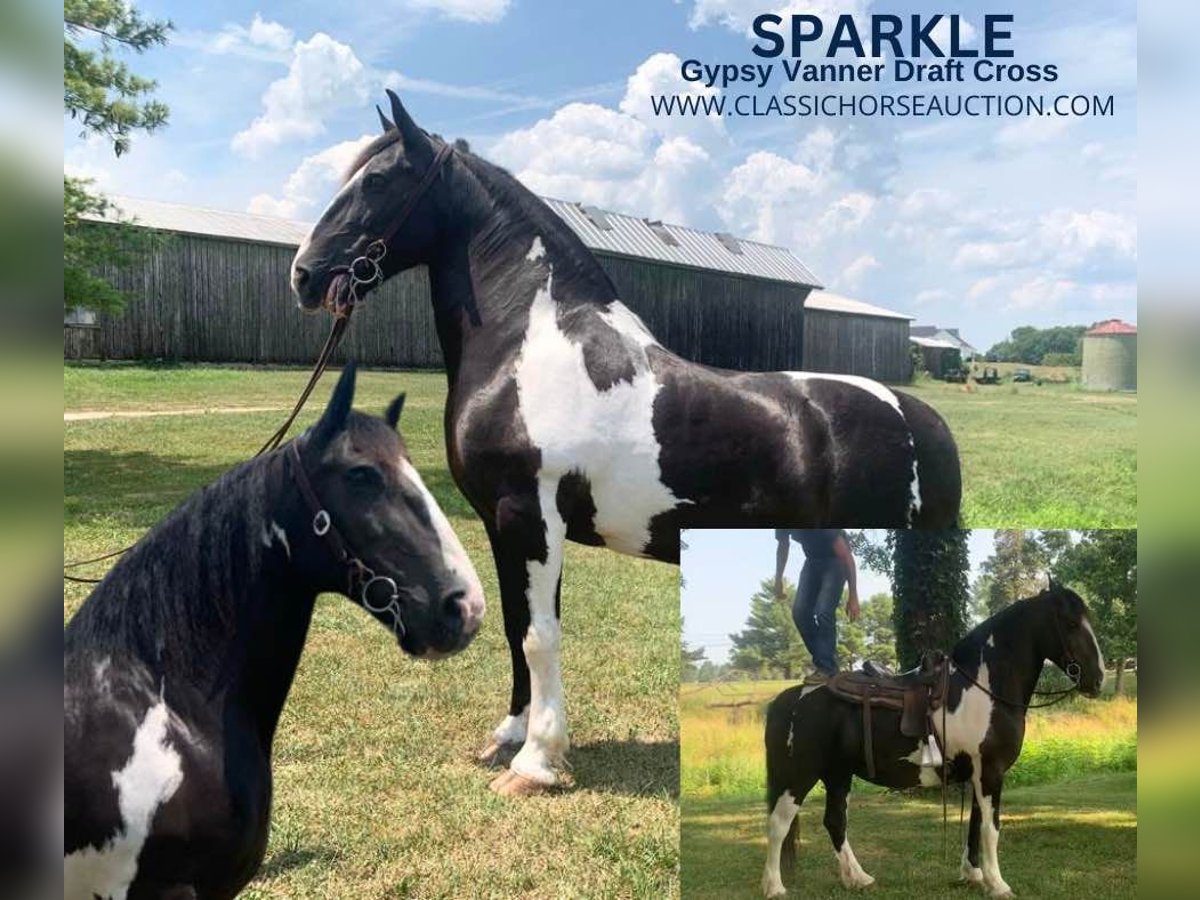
x: 966, y: 651
x: 192, y: 583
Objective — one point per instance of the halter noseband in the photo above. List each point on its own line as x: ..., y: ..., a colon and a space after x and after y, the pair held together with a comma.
x: 361, y: 578
x: 365, y: 270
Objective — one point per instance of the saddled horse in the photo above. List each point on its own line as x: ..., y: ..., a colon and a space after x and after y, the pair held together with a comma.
x: 177, y: 666
x: 812, y: 735
x: 567, y: 420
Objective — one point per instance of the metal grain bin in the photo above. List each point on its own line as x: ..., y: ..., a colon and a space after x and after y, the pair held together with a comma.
x: 1110, y: 357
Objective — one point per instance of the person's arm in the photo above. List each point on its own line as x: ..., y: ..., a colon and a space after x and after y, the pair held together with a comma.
x: 841, y: 549
x: 781, y: 558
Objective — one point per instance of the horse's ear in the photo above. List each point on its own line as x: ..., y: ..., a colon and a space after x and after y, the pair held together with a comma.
x: 333, y: 420
x: 416, y: 142
x: 392, y: 416
x: 1052, y: 584
x: 387, y: 124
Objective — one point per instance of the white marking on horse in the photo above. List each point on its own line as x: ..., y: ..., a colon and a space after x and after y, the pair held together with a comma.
x: 778, y: 823
x: 536, y: 250
x: 454, y: 555
x: 989, y: 847
x: 148, y: 780
x: 625, y: 322
x: 991, y: 641
x: 927, y: 775
x: 512, y: 729
x: 607, y: 436
x: 849, y: 870
x: 1095, y: 643
x: 967, y: 872
x: 546, y: 741
x: 273, y: 532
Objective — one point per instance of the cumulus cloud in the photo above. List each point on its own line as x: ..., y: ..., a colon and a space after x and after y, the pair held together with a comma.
x: 323, y: 76
x: 857, y: 270
x: 311, y: 185
x: 931, y: 296
x: 738, y: 15
x: 659, y: 75
x: 259, y: 38
x: 1032, y: 131
x: 1064, y: 238
x: 1041, y: 292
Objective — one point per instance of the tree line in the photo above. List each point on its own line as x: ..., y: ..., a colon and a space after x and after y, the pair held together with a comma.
x: 1057, y: 346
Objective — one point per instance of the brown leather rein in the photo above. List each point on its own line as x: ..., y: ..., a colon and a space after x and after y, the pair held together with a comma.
x: 364, y: 272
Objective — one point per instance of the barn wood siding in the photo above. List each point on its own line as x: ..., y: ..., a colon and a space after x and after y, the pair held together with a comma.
x: 212, y: 299
x: 857, y: 345
x: 729, y: 321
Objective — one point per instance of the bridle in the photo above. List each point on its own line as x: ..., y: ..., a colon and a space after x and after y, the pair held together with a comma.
x: 361, y: 579
x: 365, y: 272
x: 1070, y: 667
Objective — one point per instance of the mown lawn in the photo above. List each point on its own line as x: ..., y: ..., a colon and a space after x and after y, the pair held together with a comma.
x: 377, y: 790
x: 1052, y: 456
x: 1070, y: 839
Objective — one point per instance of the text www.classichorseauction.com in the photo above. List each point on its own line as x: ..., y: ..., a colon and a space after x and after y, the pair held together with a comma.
x: 887, y: 54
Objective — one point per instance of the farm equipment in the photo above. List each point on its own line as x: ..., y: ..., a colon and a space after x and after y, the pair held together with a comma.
x: 989, y: 375
x: 1021, y: 375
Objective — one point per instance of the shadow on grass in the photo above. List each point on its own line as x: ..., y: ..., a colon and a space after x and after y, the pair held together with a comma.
x: 634, y: 768
x: 135, y: 487
x: 283, y: 861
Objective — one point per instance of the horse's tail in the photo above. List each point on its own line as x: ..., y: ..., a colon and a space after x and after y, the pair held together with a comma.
x: 938, y: 471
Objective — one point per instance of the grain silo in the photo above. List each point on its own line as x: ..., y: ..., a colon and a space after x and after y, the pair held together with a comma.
x: 1110, y: 357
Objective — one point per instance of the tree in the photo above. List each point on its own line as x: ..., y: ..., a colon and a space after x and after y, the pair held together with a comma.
x: 876, y: 622
x: 1102, y: 567
x: 770, y: 644
x: 102, y: 94
x: 691, y: 659
x: 1059, y: 345
x: 929, y: 587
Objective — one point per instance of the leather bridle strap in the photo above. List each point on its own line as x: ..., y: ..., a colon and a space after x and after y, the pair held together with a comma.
x: 414, y: 198
x: 322, y: 524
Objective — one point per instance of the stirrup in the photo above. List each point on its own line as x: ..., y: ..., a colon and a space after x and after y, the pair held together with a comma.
x: 931, y: 754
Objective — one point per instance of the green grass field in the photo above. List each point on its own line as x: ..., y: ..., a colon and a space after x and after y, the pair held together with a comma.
x: 377, y: 790
x: 1069, y: 807
x: 1052, y: 456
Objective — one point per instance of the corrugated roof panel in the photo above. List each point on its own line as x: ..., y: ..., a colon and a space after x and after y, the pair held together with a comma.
x: 627, y: 236
x: 932, y: 342
x: 1113, y: 326
x: 830, y: 302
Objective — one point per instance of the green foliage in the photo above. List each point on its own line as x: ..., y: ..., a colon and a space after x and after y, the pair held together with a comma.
x: 770, y: 644
x: 107, y: 99
x: 929, y: 584
x: 1039, y: 346
x: 1102, y: 566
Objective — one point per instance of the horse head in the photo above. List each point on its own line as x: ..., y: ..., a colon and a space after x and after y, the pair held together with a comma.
x: 1077, y: 649
x: 377, y: 534
x: 387, y: 216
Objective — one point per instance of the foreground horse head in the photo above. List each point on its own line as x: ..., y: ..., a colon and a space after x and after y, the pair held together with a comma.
x: 970, y: 729
x: 387, y: 216
x: 407, y: 567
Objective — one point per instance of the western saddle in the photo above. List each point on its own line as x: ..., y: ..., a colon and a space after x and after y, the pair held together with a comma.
x: 915, y: 695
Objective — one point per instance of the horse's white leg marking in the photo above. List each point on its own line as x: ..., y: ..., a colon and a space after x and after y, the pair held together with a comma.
x: 512, y: 729
x: 884, y: 395
x: 605, y: 435
x: 454, y: 555
x: 546, y: 741
x: 967, y: 872
x: 148, y: 780
x: 778, y: 823
x: 989, y: 842
x: 849, y: 870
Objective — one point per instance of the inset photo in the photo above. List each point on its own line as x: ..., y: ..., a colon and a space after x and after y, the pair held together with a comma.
x: 959, y: 683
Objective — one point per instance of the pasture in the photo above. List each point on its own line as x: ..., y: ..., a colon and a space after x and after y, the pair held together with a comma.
x: 377, y: 791
x: 1069, y: 808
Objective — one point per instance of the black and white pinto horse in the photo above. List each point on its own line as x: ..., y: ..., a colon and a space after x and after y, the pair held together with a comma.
x: 567, y: 420
x: 177, y: 666
x: 812, y: 736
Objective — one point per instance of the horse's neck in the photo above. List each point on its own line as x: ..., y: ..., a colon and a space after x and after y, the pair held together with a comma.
x: 1014, y: 662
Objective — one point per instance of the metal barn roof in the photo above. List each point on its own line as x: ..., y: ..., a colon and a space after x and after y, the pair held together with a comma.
x: 933, y: 342
x: 830, y: 302
x: 601, y: 230
x: 1112, y: 326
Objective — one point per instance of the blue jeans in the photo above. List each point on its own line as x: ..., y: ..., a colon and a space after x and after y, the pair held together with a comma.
x: 815, y: 609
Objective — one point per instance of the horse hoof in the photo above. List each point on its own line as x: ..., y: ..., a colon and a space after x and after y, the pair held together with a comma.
x: 497, y: 754
x: 513, y: 784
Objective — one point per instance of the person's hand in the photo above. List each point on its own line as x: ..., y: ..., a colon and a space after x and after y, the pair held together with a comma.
x: 779, y: 589
x: 852, y: 608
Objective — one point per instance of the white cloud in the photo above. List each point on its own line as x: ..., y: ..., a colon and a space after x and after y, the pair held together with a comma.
x: 323, y: 76
x: 737, y: 15
x: 941, y: 32
x: 1041, y: 292
x: 1064, y: 238
x: 479, y: 11
x: 931, y: 296
x: 659, y: 74
x: 1032, y: 131
x: 311, y: 184
x: 982, y: 288
x: 856, y: 271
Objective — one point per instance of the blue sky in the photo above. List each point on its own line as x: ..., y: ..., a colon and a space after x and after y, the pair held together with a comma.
x: 723, y: 567
x: 983, y: 224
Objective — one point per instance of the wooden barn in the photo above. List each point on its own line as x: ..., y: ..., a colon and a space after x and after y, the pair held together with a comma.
x: 216, y: 289
x: 855, y: 338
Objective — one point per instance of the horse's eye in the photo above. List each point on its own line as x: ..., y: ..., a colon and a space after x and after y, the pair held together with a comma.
x: 374, y: 182
x: 365, y: 478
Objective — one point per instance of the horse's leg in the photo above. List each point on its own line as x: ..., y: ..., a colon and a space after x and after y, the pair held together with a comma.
x: 514, y: 582
x: 781, y: 828
x: 987, y: 790
x: 536, y: 764
x: 837, y: 792
x: 969, y: 870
